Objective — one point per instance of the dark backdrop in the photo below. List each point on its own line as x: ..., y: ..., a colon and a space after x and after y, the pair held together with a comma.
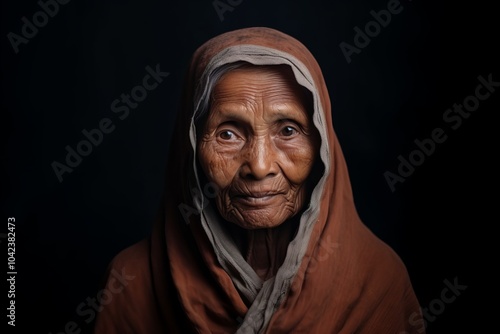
x: 395, y: 90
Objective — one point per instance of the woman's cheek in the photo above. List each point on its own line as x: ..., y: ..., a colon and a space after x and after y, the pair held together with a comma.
x: 299, y: 165
x: 221, y: 169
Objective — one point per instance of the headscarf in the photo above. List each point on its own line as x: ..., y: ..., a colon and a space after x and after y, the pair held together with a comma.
x: 189, y: 276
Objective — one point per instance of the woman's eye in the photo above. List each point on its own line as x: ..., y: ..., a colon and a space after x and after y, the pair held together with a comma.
x: 288, y: 131
x: 226, y: 135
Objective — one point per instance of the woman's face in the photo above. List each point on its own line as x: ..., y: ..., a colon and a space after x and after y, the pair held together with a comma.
x: 258, y: 146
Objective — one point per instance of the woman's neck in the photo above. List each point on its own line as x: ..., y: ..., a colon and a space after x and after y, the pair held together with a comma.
x: 265, y: 249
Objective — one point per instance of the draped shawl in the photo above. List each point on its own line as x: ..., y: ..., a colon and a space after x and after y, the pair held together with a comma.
x: 189, y: 277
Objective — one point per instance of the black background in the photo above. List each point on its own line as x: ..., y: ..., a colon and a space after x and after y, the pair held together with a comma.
x: 440, y: 220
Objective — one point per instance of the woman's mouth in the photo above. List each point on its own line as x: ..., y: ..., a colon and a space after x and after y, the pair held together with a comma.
x: 258, y: 199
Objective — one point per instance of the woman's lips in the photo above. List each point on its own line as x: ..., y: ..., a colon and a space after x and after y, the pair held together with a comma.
x: 257, y: 199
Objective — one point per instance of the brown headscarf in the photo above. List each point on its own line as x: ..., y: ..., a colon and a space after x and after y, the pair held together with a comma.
x: 189, y: 276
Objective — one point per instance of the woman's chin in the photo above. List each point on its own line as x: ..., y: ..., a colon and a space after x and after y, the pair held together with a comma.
x: 256, y: 220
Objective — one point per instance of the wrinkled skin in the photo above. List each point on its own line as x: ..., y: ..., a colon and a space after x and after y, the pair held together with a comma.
x: 258, y: 146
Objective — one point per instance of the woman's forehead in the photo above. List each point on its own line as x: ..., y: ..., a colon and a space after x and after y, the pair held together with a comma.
x: 276, y: 72
x: 274, y: 84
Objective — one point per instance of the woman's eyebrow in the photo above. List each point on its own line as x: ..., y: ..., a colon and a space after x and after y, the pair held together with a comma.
x: 231, y: 113
x: 240, y: 113
x: 293, y: 114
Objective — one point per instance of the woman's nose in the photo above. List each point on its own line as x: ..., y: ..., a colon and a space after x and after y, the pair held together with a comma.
x: 259, y: 159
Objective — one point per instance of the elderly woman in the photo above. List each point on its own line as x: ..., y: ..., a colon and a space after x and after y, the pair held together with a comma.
x: 258, y: 232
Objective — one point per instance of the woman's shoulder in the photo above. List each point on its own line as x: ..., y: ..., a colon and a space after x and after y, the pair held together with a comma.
x: 130, y: 266
x: 134, y: 256
x: 132, y: 263
x: 127, y: 293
